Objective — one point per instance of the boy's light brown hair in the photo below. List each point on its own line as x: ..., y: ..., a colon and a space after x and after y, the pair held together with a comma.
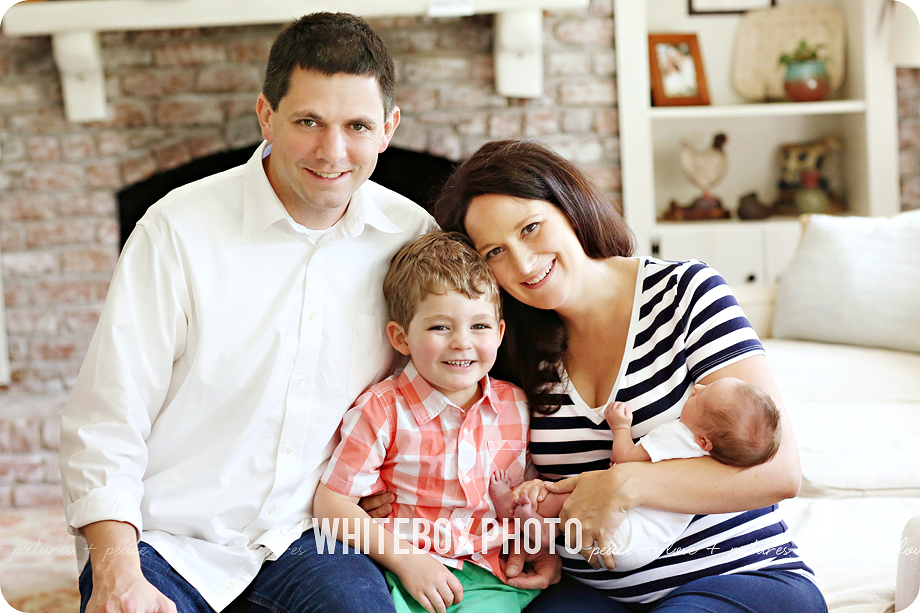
x: 745, y: 431
x: 437, y: 263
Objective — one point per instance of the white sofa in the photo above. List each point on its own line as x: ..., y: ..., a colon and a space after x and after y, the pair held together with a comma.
x: 855, y: 407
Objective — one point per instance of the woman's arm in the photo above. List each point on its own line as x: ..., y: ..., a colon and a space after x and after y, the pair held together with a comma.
x: 703, y: 485
x: 700, y: 485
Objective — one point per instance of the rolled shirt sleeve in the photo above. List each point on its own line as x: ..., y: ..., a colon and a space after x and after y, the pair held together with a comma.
x: 122, y: 385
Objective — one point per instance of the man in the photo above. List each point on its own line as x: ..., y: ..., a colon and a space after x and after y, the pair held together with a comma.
x: 244, y: 317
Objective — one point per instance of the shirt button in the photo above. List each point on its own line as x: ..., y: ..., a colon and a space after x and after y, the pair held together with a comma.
x: 312, y: 316
x: 271, y: 510
x: 466, y: 479
x: 290, y: 449
x: 301, y: 383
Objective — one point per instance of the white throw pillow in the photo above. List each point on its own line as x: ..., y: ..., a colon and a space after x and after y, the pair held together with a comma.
x: 854, y: 280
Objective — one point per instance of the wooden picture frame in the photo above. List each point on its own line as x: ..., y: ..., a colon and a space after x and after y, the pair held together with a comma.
x: 677, y: 74
x: 726, y: 7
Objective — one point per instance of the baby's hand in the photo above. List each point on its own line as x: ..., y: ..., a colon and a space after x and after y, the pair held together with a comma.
x: 618, y: 415
x: 535, y: 490
x: 431, y: 583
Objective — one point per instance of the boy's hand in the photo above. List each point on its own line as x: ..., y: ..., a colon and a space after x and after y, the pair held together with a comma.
x: 430, y: 583
x: 618, y: 415
x: 536, y: 491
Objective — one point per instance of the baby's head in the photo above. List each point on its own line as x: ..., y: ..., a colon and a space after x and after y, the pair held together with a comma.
x: 736, y: 422
x: 445, y: 308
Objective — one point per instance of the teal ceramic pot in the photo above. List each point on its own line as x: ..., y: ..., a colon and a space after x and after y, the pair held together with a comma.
x: 807, y: 81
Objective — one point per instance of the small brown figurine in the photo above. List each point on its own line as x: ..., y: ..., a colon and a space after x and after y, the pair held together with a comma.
x: 750, y: 207
x: 798, y: 159
x: 700, y: 209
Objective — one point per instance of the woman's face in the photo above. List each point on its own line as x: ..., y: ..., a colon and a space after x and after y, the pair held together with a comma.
x: 530, y: 247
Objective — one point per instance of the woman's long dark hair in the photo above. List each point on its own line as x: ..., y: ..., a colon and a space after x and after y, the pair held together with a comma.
x: 535, y: 339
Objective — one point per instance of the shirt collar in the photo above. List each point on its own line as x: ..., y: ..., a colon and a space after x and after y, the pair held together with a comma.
x: 262, y: 207
x: 427, y: 403
x: 363, y: 209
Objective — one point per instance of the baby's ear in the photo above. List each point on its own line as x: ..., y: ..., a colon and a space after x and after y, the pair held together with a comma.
x: 397, y: 337
x: 704, y: 442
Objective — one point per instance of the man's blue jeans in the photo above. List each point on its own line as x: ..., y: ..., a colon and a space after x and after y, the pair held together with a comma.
x: 294, y: 583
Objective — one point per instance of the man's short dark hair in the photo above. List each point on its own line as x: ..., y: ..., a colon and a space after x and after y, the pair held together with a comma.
x: 331, y: 43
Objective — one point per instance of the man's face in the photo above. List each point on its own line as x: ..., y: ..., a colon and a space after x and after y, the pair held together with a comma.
x: 326, y: 134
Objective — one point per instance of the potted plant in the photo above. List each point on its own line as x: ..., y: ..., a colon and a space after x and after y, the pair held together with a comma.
x: 806, y: 73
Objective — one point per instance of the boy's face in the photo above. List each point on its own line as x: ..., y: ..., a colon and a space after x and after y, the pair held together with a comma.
x: 452, y: 341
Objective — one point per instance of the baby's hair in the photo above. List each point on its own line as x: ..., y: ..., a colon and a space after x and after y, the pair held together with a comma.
x: 746, y: 430
x: 437, y: 263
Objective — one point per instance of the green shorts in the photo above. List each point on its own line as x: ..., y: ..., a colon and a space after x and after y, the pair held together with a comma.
x: 482, y: 591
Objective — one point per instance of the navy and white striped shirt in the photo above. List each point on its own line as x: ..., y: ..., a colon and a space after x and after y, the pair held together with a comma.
x: 685, y: 325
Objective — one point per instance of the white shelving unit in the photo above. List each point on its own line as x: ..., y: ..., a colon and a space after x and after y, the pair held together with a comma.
x: 863, y: 116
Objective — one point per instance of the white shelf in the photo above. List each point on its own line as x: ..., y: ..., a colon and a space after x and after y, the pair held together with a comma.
x: 864, y: 172
x: 31, y: 18
x: 689, y: 226
x: 775, y: 109
x: 74, y: 27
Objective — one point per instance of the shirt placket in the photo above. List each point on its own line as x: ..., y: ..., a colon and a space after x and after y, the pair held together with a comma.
x: 467, y: 464
x: 301, y: 390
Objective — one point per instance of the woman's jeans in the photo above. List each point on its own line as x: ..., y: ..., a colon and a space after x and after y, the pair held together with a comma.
x: 766, y: 591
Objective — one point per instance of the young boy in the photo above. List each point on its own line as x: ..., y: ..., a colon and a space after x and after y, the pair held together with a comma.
x: 434, y: 435
x: 730, y: 420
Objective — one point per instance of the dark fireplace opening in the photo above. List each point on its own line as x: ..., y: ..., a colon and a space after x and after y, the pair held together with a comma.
x: 413, y: 174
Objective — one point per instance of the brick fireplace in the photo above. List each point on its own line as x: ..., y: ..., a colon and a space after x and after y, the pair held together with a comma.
x: 180, y: 95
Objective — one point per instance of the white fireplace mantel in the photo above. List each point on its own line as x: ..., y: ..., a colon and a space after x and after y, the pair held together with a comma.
x: 74, y: 26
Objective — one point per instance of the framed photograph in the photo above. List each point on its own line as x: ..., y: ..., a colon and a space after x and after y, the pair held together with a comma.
x: 710, y: 7
x: 677, y: 75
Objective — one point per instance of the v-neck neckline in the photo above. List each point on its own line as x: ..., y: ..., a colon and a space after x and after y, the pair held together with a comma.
x: 597, y: 416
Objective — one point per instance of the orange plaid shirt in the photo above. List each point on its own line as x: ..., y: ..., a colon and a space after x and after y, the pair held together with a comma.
x: 405, y: 437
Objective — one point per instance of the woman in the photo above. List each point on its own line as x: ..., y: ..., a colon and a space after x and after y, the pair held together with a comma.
x: 588, y: 324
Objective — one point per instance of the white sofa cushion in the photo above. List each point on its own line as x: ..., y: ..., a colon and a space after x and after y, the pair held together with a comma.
x: 853, y: 547
x: 854, y: 280
x: 856, y: 415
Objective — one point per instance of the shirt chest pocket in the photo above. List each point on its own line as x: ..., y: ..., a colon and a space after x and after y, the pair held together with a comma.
x: 510, y: 456
x: 372, y: 356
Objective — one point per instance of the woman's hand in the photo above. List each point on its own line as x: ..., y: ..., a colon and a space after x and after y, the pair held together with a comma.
x: 535, y: 571
x: 378, y: 505
x: 598, y: 501
x: 535, y: 490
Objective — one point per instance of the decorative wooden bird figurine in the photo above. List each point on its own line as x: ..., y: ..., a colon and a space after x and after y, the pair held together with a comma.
x: 705, y: 168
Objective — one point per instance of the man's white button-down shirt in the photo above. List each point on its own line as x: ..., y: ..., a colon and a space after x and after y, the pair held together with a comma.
x: 231, y: 343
